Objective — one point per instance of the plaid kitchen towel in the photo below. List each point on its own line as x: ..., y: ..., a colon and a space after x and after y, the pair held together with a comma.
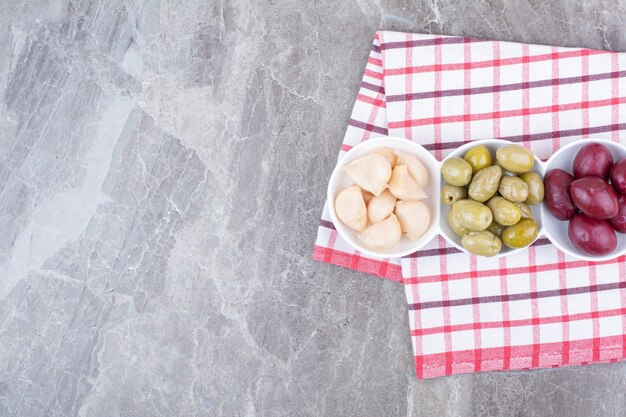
x: 535, y: 309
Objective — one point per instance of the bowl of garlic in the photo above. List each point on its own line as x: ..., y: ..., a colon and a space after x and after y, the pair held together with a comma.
x: 383, y: 197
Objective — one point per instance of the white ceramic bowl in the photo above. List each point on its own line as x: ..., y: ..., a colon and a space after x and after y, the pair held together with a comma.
x: 339, y: 181
x: 556, y: 230
x: 492, y: 145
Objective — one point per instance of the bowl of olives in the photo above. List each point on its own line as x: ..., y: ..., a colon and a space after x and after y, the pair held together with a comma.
x: 491, y: 197
x: 584, y: 211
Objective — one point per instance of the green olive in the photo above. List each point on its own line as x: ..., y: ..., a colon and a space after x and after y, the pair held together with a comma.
x: 472, y: 214
x: 482, y: 243
x: 485, y: 183
x: 504, y: 212
x: 515, y: 158
x: 513, y: 189
x: 456, y: 171
x: 535, y: 187
x: 505, y: 173
x: 455, y: 225
x: 521, y: 234
x: 526, y: 211
x: 451, y: 194
x: 478, y: 157
x: 496, y: 228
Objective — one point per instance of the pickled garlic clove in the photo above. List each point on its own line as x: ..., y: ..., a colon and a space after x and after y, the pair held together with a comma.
x: 414, y: 218
x: 389, y: 155
x: 367, y: 196
x: 416, y: 168
x: 370, y: 172
x: 383, y: 235
x: 350, y: 208
x: 380, y: 207
x: 403, y: 186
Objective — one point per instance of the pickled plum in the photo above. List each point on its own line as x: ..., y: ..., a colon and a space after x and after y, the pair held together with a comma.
x: 591, y: 236
x: 593, y: 159
x: 594, y: 197
x: 557, y: 195
x: 618, y: 176
x: 619, y: 220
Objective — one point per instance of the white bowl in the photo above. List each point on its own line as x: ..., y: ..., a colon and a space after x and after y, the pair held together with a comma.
x: 339, y: 181
x: 547, y: 225
x: 492, y: 145
x: 556, y: 230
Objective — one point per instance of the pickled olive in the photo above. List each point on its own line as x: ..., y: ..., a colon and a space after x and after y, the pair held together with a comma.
x: 482, y: 243
x: 513, y: 189
x: 451, y: 194
x: 505, y: 173
x: 478, y: 157
x: 504, y: 212
x: 496, y: 228
x: 526, y: 211
x: 535, y: 187
x: 521, y: 234
x: 515, y: 158
x: 485, y: 183
x: 456, y: 171
x: 472, y: 214
x: 455, y: 225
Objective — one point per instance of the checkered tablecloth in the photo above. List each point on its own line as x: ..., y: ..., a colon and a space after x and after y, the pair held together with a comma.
x: 535, y: 309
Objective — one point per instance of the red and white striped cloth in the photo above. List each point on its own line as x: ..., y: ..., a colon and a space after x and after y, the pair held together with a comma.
x: 536, y: 309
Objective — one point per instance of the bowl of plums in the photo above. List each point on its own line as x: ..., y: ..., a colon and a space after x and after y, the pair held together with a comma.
x: 388, y: 197
x: 585, y: 204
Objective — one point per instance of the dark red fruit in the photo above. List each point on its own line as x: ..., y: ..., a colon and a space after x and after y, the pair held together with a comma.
x: 592, y: 236
x: 619, y: 220
x: 557, y: 196
x: 593, y: 159
x: 618, y: 176
x: 594, y: 197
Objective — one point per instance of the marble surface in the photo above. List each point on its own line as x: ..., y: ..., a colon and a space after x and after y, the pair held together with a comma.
x: 162, y: 172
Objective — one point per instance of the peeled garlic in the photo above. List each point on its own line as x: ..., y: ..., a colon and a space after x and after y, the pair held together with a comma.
x: 403, y: 186
x: 389, y: 154
x: 350, y: 208
x: 370, y: 172
x: 367, y: 196
x: 380, y: 207
x: 415, y: 166
x: 383, y: 235
x: 414, y: 218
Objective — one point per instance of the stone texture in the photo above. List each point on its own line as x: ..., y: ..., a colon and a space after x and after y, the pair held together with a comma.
x: 162, y: 170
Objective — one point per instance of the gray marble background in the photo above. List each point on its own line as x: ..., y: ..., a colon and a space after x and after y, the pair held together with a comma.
x: 162, y: 172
